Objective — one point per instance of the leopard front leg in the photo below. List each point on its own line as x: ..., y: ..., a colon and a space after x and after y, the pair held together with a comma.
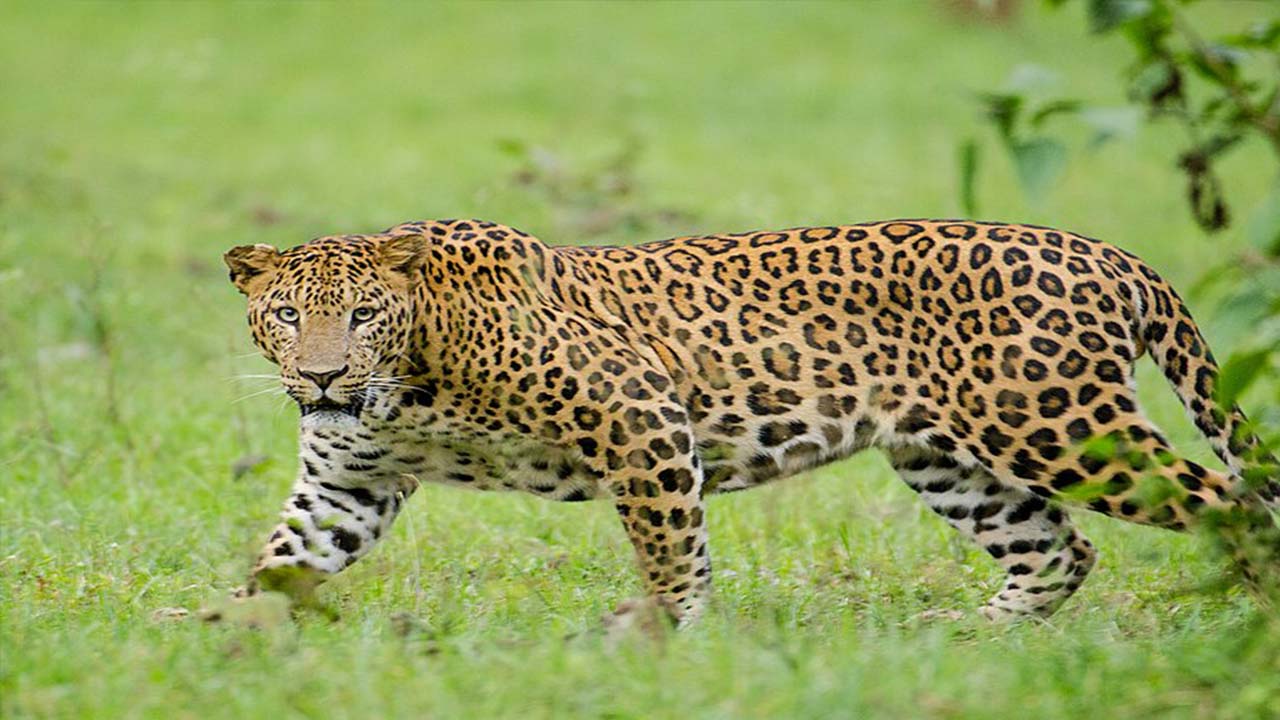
x: 666, y: 527
x: 326, y: 525
x: 656, y: 482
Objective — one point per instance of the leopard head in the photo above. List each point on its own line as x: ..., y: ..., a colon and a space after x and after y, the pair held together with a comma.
x: 335, y: 314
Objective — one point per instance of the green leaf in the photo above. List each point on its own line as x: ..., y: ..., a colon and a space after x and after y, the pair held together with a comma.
x: 1239, y: 372
x: 1218, y: 144
x: 1154, y: 80
x: 1003, y: 110
x: 1030, y: 78
x: 1084, y: 492
x: 1218, y: 64
x: 1106, y: 15
x: 1057, y: 107
x: 1154, y: 490
x: 1110, y: 123
x: 969, y: 156
x: 1262, y: 34
x: 513, y: 147
x: 1149, y: 33
x: 1215, y: 277
x: 1039, y: 162
x: 1264, y: 223
x: 1265, y: 34
x: 1247, y: 303
x: 1100, y: 447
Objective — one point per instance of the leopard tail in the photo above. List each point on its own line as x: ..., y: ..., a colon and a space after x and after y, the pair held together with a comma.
x: 1168, y: 332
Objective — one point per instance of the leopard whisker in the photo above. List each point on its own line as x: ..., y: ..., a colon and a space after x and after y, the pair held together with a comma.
x: 389, y: 377
x: 389, y: 386
x: 267, y: 391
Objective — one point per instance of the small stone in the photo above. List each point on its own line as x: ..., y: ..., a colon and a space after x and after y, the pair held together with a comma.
x: 644, y: 618
x: 247, y: 464
x: 261, y: 611
x: 170, y: 614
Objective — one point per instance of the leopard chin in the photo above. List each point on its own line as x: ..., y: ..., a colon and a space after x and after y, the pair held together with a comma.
x: 328, y: 419
x: 327, y: 409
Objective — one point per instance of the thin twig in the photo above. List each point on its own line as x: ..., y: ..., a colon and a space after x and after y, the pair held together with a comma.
x: 47, y: 429
x: 1266, y: 122
x: 239, y: 421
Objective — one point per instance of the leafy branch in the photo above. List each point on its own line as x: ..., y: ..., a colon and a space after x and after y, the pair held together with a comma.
x: 1213, y: 91
x: 1176, y: 74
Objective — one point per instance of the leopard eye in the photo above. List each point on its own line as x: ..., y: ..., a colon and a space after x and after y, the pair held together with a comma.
x: 362, y: 314
x: 287, y: 315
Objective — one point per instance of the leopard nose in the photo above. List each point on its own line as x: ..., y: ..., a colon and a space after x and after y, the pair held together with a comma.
x: 323, y: 378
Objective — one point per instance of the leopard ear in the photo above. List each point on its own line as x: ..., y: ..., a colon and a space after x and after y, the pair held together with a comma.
x: 249, y: 263
x: 404, y: 253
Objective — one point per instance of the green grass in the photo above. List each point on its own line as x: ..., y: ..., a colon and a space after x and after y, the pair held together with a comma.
x: 137, y: 142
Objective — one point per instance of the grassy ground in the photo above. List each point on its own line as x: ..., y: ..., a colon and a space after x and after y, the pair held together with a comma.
x: 139, y: 141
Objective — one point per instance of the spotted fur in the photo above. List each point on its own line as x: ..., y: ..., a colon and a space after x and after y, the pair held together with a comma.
x: 993, y: 363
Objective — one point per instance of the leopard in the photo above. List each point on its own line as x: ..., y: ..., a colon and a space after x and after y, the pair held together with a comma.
x: 992, y: 363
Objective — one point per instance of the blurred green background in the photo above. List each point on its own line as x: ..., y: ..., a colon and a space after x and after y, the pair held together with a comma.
x: 140, y: 140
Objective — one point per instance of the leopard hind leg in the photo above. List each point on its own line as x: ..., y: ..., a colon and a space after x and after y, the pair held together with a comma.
x: 1044, y: 556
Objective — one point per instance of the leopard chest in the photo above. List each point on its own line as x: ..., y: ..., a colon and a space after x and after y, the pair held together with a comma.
x: 381, y: 446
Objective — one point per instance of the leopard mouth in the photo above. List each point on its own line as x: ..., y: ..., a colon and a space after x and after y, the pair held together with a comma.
x: 327, y: 405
